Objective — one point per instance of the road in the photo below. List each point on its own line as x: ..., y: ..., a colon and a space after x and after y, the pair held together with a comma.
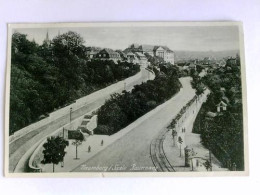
x: 132, y: 151
x: 20, y: 146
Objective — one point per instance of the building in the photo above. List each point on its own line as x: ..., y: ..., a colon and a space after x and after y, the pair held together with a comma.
x: 131, y: 58
x: 147, y: 49
x: 47, y: 40
x: 221, y: 106
x: 142, y: 60
x: 108, y: 54
x: 231, y: 62
x: 165, y: 53
x: 123, y: 55
x: 160, y: 51
x: 92, y: 51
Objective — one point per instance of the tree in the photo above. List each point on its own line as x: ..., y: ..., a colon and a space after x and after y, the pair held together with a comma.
x: 207, y: 165
x: 54, y: 150
x: 77, y: 142
x: 174, y: 134
x: 180, y: 141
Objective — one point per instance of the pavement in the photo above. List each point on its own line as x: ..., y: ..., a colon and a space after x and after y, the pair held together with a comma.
x: 192, y: 140
x: 19, y: 147
x: 130, y: 150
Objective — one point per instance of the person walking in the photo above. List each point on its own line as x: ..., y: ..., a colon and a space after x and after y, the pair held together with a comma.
x: 102, y: 142
x: 89, y: 149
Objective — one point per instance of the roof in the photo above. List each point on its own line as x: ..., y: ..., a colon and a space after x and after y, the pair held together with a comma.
x: 221, y: 102
x: 140, y: 54
x: 225, y: 99
x: 109, y: 51
x: 130, y: 54
x: 164, y: 47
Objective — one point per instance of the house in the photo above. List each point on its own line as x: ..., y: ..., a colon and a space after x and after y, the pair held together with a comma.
x: 231, y: 62
x: 222, y: 63
x: 221, y: 106
x: 92, y: 51
x: 142, y: 60
x: 165, y: 53
x: 123, y: 55
x: 147, y: 49
x: 108, y: 54
x: 131, y: 57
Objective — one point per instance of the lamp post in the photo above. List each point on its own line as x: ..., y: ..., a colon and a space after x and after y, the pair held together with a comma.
x: 70, y: 114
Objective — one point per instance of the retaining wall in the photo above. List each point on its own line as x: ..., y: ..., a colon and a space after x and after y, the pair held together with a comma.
x: 78, y: 104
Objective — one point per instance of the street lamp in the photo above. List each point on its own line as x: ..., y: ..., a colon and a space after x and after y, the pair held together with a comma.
x: 70, y: 114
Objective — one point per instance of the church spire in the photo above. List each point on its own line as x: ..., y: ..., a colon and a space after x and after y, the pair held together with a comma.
x: 47, y: 39
x: 47, y: 36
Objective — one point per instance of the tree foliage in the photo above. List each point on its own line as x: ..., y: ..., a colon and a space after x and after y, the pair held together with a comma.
x: 49, y: 76
x: 223, y: 134
x: 54, y: 150
x: 122, y: 109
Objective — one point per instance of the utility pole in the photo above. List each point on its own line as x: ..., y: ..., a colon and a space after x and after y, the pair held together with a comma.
x: 70, y: 114
x: 210, y: 160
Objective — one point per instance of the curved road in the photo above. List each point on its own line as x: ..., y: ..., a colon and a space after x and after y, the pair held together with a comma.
x: 19, y: 147
x: 132, y: 151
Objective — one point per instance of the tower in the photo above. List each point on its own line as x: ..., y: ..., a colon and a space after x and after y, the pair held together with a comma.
x: 47, y: 40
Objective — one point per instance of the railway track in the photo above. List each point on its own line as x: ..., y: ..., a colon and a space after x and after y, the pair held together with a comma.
x: 158, y: 156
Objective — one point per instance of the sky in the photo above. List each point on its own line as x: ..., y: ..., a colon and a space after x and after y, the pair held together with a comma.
x: 177, y: 38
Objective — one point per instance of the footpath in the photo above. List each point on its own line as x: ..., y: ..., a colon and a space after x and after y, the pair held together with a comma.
x: 175, y: 151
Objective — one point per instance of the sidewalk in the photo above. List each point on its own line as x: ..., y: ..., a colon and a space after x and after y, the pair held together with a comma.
x: 192, y: 140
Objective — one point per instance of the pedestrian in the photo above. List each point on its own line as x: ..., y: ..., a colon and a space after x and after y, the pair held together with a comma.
x: 89, y: 148
x: 102, y: 142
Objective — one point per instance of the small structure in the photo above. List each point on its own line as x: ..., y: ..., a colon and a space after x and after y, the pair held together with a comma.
x: 221, y: 106
x: 89, y: 123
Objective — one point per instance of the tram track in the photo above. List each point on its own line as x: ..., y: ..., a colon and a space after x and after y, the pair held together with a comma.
x: 158, y: 156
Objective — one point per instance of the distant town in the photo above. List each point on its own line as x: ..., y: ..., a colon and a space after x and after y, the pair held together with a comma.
x: 140, y: 53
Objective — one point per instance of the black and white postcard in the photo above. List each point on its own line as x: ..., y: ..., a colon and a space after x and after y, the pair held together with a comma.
x: 126, y: 99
